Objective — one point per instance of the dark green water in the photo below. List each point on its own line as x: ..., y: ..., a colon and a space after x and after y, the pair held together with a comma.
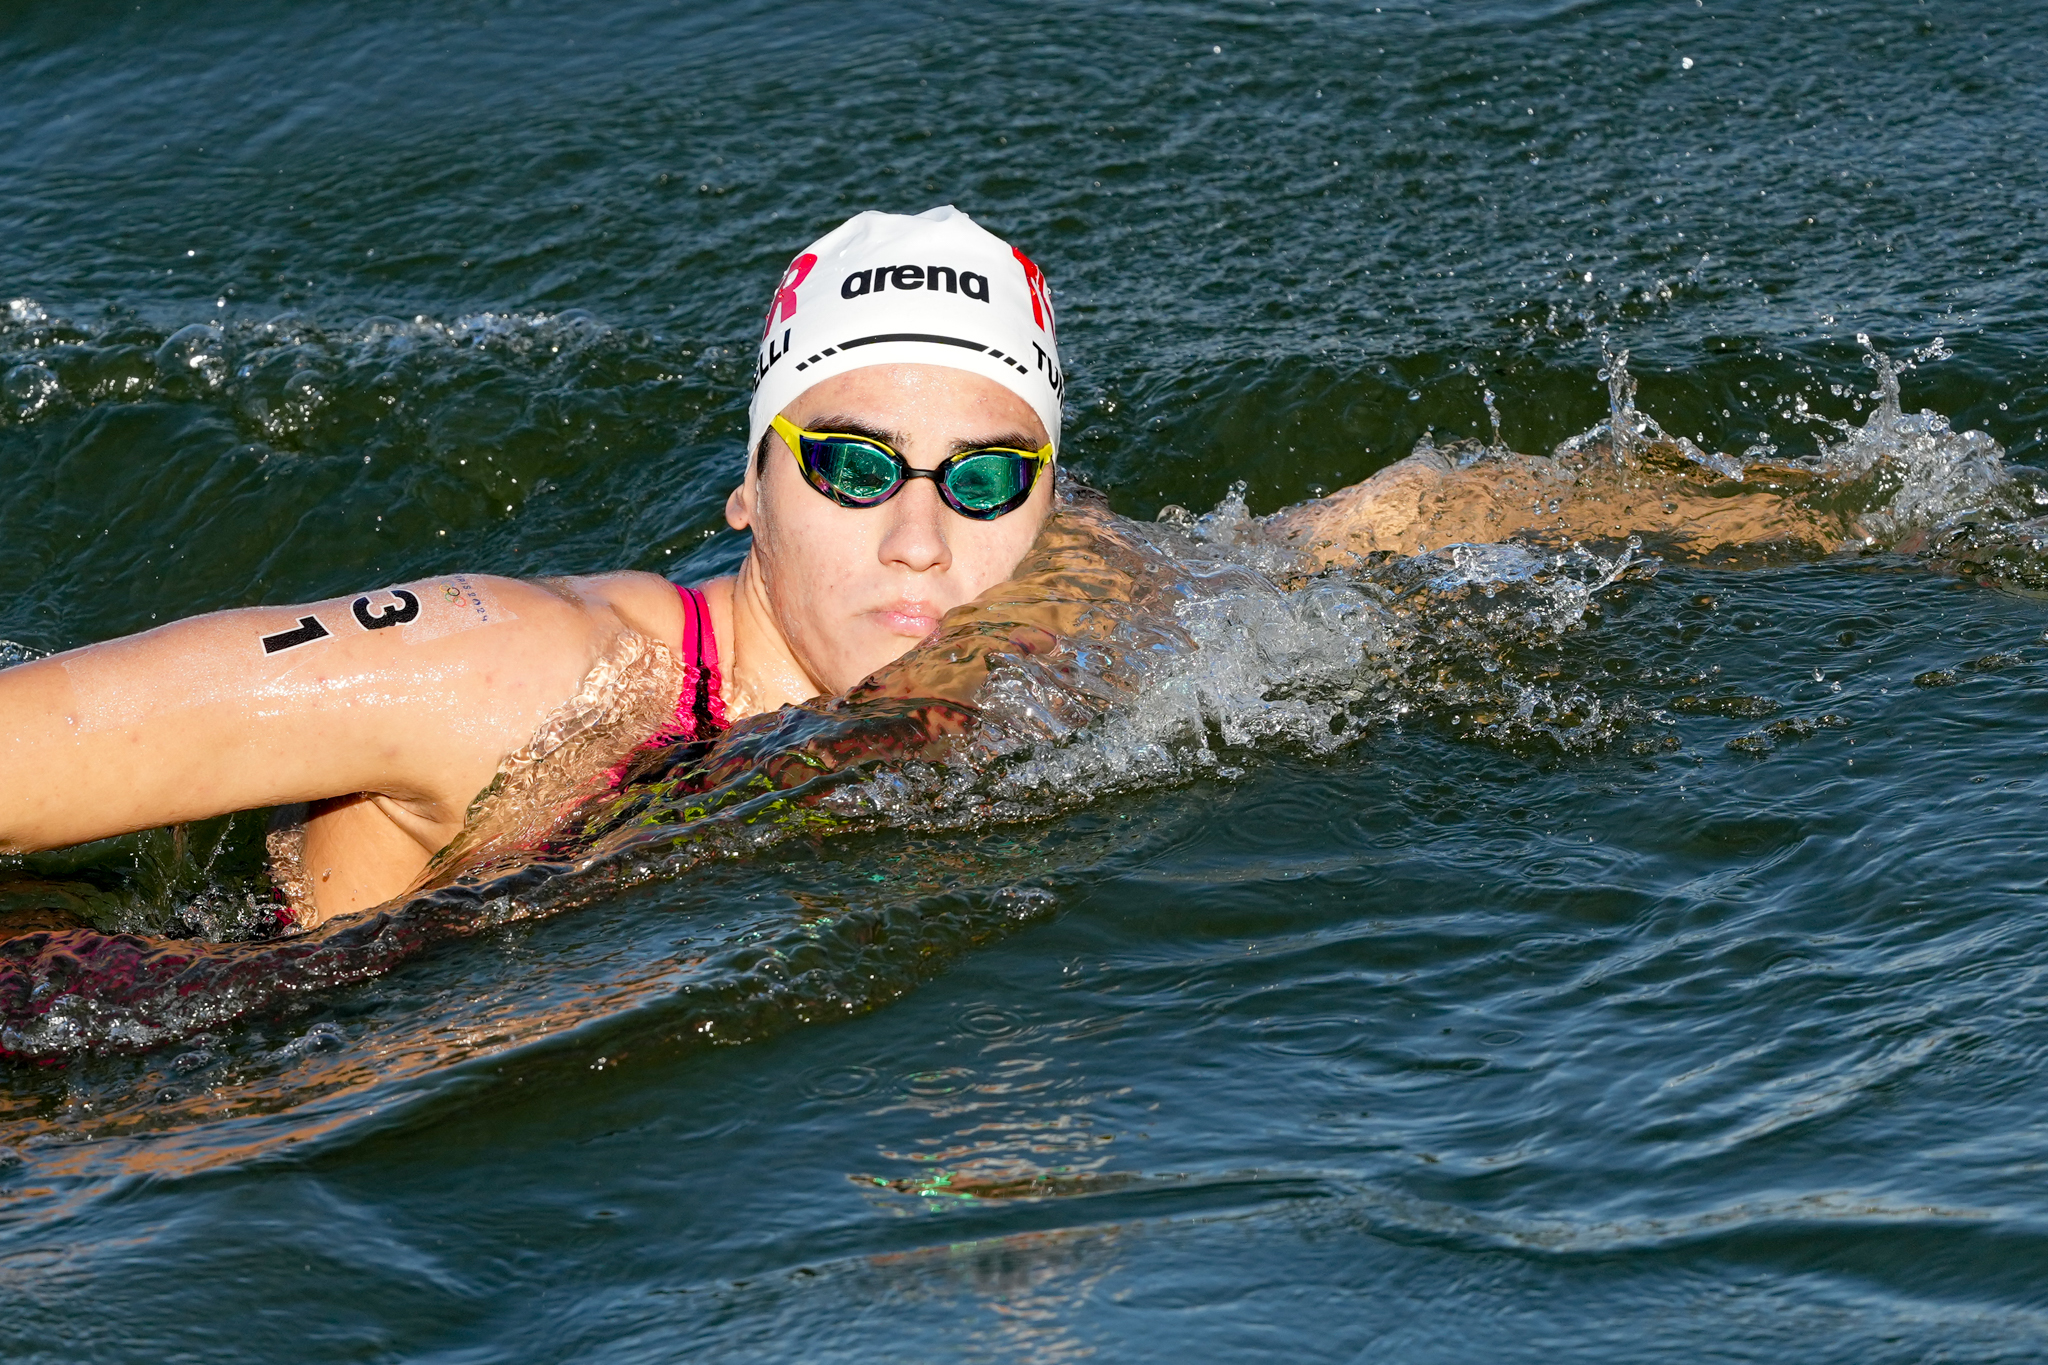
x: 1449, y: 1043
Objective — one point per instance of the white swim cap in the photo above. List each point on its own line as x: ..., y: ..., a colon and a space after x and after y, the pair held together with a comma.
x: 890, y: 289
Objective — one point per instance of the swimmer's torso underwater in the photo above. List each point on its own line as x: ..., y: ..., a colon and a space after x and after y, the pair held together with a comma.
x: 1483, y: 805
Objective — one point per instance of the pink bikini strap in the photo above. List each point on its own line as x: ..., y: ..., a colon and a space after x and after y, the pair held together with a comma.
x: 700, y: 709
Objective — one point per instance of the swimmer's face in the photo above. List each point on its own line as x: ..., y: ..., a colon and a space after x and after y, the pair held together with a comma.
x: 850, y: 589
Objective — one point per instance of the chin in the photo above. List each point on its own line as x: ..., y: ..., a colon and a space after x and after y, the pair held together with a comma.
x: 883, y: 648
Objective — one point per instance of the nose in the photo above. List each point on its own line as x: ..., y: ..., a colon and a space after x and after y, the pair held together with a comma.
x: 916, y: 538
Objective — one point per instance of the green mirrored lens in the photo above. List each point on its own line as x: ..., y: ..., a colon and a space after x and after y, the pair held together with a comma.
x: 853, y: 467
x: 985, y: 481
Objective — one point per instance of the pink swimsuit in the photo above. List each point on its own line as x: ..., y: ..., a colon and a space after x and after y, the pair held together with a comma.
x: 699, y: 707
x: 700, y: 711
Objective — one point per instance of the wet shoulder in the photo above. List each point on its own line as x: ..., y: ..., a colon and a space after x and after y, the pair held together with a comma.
x: 645, y: 603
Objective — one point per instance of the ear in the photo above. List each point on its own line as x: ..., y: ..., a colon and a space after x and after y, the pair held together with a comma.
x: 739, y: 505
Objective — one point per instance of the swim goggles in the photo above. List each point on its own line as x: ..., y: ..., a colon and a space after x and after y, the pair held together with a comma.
x: 860, y: 471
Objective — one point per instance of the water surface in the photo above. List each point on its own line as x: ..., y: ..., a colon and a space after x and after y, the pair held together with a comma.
x: 1708, y: 1022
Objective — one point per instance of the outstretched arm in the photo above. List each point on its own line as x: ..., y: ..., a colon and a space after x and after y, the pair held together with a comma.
x: 1427, y: 500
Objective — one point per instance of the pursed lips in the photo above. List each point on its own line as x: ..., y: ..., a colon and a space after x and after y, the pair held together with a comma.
x: 913, y: 620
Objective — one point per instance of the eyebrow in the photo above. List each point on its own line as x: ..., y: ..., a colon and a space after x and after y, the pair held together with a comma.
x: 853, y: 426
x: 1013, y: 440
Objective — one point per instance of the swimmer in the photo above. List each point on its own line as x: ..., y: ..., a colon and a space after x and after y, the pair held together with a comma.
x: 902, y: 437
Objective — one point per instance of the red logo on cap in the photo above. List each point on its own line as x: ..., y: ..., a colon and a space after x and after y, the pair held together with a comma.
x: 784, y: 301
x: 1041, y: 296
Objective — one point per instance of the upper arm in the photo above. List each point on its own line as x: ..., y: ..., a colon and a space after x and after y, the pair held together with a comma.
x: 416, y: 692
